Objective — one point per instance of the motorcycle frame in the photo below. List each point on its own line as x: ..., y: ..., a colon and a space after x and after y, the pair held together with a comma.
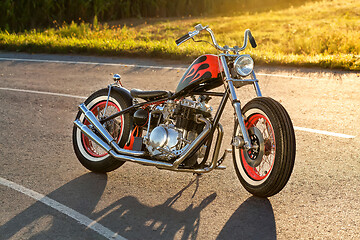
x: 230, y: 89
x: 204, y: 138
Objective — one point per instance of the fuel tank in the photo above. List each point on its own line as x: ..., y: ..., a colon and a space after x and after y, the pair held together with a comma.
x: 203, y: 74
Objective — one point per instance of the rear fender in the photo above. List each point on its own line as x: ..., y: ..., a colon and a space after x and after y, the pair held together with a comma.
x: 125, y: 94
x: 129, y: 102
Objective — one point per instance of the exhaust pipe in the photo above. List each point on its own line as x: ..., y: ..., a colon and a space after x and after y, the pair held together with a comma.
x: 110, y: 140
x: 90, y: 134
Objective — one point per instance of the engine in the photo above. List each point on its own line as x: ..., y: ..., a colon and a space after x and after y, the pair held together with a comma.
x: 173, y: 126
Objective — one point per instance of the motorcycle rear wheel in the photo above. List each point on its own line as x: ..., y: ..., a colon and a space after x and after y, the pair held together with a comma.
x: 268, y: 175
x: 91, y: 155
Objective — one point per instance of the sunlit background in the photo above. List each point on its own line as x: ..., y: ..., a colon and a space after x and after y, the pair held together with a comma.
x: 293, y: 32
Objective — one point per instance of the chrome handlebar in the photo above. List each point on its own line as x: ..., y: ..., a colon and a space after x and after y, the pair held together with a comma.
x: 235, y: 49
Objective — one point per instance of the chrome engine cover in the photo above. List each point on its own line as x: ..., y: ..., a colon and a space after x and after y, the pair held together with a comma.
x: 163, y: 142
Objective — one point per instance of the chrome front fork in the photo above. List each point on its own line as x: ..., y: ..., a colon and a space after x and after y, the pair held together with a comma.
x: 236, y: 102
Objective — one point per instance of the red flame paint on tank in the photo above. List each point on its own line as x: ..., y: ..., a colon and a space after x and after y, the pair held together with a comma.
x: 204, y: 68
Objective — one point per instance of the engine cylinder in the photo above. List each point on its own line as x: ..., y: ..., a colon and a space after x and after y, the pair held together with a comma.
x: 186, y: 119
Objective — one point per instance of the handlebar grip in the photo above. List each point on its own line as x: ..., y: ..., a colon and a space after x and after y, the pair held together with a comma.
x: 252, y: 40
x: 183, y: 38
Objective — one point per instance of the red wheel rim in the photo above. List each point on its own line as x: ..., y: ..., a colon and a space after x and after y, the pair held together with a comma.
x: 263, y: 170
x: 88, y: 144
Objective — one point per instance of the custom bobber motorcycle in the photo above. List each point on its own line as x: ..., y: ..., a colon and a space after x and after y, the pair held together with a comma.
x: 180, y: 131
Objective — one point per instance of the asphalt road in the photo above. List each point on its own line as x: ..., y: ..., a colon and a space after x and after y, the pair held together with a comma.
x: 45, y: 193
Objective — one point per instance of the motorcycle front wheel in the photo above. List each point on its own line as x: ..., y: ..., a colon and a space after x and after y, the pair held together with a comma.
x: 265, y: 169
x: 91, y: 155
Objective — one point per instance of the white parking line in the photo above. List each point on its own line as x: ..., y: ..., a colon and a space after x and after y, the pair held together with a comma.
x: 81, y: 97
x: 89, y: 63
x: 341, y: 135
x: 41, y: 92
x: 128, y: 65
x: 80, y: 218
x: 282, y: 76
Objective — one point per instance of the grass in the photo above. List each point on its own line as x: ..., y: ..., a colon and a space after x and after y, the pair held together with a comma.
x: 324, y: 34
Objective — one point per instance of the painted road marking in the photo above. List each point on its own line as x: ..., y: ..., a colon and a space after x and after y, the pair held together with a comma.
x: 128, y: 65
x: 80, y: 218
x: 41, y: 92
x: 90, y: 63
x: 75, y: 96
x: 323, y: 132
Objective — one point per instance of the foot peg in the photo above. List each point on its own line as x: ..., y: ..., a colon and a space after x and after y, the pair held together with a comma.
x: 220, y: 161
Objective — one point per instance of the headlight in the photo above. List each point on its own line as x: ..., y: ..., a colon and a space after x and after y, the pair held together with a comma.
x: 244, y: 65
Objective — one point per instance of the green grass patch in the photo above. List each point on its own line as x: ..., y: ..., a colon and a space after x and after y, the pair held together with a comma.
x: 324, y: 34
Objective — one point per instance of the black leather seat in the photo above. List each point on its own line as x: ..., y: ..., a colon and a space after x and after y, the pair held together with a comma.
x: 149, y: 95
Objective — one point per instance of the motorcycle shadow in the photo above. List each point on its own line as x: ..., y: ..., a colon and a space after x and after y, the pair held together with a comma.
x: 130, y: 218
x: 134, y: 220
x: 254, y: 219
x: 127, y: 216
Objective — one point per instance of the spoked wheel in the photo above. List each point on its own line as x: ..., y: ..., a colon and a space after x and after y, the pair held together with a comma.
x: 265, y: 169
x: 91, y: 155
x: 114, y: 127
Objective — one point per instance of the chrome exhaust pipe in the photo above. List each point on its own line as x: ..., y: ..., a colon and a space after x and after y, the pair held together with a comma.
x: 142, y: 161
x: 110, y: 140
x: 90, y: 134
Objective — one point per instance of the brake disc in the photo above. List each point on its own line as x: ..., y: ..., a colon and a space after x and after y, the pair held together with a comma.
x: 254, y: 156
